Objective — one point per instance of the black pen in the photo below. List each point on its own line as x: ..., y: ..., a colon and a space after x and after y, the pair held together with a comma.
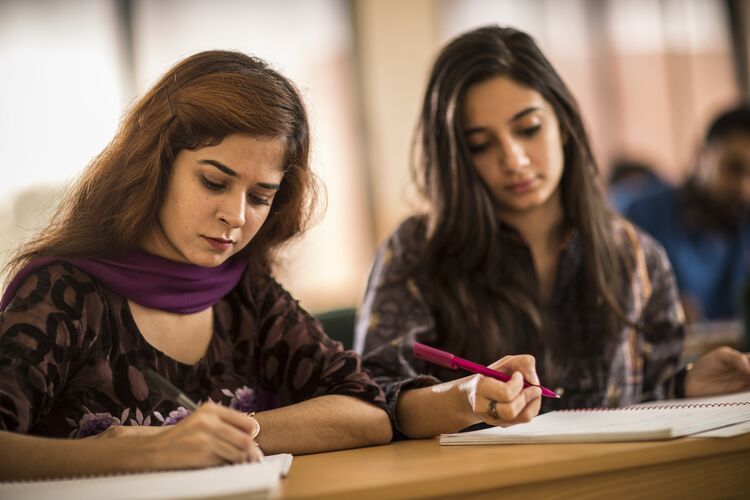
x: 157, y: 381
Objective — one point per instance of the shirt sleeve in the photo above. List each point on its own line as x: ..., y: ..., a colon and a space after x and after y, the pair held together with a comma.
x: 298, y: 361
x: 394, y: 315
x: 663, y: 326
x: 43, y: 336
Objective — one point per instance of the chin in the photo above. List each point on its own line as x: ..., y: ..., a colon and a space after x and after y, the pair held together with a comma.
x: 210, y: 260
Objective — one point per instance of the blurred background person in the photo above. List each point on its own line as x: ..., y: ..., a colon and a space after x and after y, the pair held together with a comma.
x: 704, y: 224
x: 630, y: 179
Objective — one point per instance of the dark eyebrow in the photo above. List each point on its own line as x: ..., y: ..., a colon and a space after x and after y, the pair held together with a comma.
x: 513, y: 118
x: 232, y: 173
x: 220, y: 166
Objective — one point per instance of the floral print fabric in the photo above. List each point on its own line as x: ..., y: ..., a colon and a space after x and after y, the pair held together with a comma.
x: 71, y: 358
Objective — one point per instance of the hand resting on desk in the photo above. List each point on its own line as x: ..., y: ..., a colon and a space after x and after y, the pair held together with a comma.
x: 721, y: 371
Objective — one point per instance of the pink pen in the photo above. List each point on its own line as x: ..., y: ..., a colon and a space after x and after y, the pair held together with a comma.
x: 449, y: 360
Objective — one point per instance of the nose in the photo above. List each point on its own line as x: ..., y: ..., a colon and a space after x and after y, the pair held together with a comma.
x: 513, y: 157
x: 232, y: 210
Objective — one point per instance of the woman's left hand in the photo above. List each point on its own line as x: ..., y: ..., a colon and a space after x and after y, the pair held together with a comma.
x: 721, y: 371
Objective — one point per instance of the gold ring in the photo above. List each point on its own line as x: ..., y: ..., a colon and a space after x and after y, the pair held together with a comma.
x: 492, y: 411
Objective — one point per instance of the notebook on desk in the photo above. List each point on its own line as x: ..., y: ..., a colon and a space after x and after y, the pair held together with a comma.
x: 256, y: 480
x: 643, y: 422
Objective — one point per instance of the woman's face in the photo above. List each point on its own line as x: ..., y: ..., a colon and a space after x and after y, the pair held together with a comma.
x: 217, y: 199
x: 515, y: 144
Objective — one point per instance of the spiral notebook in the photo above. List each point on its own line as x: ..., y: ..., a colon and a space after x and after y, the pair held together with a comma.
x: 644, y: 422
x: 246, y: 481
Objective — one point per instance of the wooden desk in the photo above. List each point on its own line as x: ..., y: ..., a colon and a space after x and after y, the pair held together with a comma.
x: 683, y: 468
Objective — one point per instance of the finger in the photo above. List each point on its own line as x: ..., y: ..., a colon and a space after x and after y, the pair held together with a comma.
x: 234, y: 436
x: 526, y: 415
x: 224, y: 429
x: 226, y: 452
x: 225, y: 424
x: 524, y: 363
x: 503, y: 392
x: 737, y: 360
x: 500, y: 362
x: 256, y: 454
x: 234, y: 418
x: 534, y: 404
x: 731, y: 359
x: 511, y: 411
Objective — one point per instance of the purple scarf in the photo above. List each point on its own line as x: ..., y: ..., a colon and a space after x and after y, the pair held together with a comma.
x: 149, y: 280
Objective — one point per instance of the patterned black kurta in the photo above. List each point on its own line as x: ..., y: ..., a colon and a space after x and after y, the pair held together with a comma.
x: 71, y: 357
x: 396, y: 313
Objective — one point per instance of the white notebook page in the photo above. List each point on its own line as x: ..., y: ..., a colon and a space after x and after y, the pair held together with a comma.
x: 255, y: 480
x: 658, y: 420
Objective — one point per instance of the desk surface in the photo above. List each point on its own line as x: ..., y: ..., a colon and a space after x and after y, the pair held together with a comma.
x: 685, y: 467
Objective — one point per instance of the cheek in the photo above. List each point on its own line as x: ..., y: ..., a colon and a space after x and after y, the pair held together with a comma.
x: 487, y: 168
x: 255, y: 220
x: 555, y: 157
x: 186, y: 214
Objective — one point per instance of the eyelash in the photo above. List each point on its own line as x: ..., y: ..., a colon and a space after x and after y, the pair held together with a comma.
x: 529, y: 131
x: 526, y: 133
x: 478, y: 148
x: 215, y: 186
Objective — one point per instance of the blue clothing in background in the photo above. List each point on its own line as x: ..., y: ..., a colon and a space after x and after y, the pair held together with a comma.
x: 710, y: 264
x: 623, y: 193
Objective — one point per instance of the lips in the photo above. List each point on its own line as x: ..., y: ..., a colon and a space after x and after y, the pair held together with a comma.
x: 219, y: 243
x: 523, y: 186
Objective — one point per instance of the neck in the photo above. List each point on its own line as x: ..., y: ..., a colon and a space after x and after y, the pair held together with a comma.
x: 541, y: 228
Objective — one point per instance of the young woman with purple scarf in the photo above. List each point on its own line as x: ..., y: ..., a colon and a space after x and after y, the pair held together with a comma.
x: 160, y: 258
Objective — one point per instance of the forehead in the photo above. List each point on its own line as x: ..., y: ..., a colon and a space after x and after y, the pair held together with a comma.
x: 249, y: 156
x: 500, y: 98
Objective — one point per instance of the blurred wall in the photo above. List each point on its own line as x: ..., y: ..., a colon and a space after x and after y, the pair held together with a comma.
x: 648, y: 75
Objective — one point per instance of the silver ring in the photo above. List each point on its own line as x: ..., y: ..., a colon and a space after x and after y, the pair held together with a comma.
x: 492, y: 410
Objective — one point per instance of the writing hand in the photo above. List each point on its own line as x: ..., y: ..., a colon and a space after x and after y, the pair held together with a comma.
x: 212, y: 435
x: 505, y: 403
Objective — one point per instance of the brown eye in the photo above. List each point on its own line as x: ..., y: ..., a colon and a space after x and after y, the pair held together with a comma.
x: 257, y: 200
x: 213, y: 186
x: 479, y: 148
x: 529, y: 131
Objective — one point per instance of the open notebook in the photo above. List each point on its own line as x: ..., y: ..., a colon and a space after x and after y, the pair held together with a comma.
x: 648, y: 421
x: 256, y: 480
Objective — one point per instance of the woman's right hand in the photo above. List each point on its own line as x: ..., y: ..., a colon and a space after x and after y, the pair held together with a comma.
x: 212, y: 435
x: 512, y: 404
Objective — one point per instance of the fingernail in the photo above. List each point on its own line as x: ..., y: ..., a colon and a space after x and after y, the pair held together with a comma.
x: 535, y: 378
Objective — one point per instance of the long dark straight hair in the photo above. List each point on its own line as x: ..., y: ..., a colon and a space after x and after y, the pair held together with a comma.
x: 484, y: 303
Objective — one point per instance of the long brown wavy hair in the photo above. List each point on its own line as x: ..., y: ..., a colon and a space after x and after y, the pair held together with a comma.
x: 483, y: 300
x: 198, y: 102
